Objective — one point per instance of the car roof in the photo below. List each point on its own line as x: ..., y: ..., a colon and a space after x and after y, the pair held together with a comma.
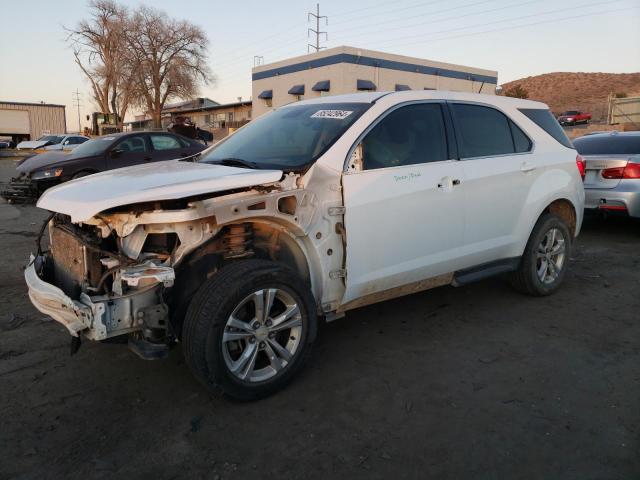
x: 408, y: 95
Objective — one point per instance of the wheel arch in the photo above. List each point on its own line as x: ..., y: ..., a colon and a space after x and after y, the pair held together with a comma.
x: 266, y: 239
x: 566, y: 210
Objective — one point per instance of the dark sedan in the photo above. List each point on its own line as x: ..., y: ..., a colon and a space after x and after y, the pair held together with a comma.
x: 40, y: 172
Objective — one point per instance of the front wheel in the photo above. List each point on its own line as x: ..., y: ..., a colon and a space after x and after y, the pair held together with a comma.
x: 249, y: 329
x: 545, y: 259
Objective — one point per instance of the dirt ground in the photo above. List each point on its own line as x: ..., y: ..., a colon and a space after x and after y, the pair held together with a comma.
x: 475, y: 382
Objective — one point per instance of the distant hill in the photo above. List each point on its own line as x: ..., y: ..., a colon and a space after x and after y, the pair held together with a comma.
x: 577, y: 90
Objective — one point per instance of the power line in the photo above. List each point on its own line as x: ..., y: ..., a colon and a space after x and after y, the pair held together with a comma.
x: 455, y: 17
x: 317, y: 31
x: 288, y: 44
x: 484, y: 24
x: 394, y: 10
x: 543, y: 22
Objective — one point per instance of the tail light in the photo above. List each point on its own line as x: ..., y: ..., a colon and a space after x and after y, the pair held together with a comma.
x: 632, y: 170
x: 581, y: 164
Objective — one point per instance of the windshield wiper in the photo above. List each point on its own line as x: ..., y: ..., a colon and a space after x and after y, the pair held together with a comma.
x: 235, y: 162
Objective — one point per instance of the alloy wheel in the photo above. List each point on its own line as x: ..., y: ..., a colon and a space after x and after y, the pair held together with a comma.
x: 550, y: 256
x: 262, y: 335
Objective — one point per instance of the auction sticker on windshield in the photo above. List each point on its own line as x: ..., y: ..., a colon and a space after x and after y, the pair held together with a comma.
x: 336, y: 114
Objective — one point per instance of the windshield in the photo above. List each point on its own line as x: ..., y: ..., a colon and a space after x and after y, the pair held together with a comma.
x: 92, y: 147
x: 288, y: 138
x: 571, y: 112
x: 608, y: 145
x: 52, y: 139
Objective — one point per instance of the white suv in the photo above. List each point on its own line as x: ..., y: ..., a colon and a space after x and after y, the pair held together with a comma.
x: 314, y: 209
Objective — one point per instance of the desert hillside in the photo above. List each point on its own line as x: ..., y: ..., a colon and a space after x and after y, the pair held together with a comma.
x: 577, y: 90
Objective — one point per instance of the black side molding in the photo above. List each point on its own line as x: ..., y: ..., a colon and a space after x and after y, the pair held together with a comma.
x: 480, y: 272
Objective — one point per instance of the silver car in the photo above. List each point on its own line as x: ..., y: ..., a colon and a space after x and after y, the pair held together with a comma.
x: 612, y: 176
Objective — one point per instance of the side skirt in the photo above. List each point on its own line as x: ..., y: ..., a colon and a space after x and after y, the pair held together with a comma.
x: 486, y: 270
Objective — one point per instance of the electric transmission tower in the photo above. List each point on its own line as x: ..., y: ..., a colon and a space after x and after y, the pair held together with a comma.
x: 76, y: 103
x: 317, y: 31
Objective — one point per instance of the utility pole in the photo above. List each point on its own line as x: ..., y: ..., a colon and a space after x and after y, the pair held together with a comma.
x: 317, y: 31
x: 76, y: 100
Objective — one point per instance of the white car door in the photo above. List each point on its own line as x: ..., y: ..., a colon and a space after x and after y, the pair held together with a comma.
x: 404, y: 212
x: 499, y: 171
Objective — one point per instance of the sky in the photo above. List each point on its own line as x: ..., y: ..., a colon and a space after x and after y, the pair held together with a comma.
x: 518, y: 38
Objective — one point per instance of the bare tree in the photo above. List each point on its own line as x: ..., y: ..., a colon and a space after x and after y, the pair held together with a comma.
x: 169, y: 59
x: 99, y: 49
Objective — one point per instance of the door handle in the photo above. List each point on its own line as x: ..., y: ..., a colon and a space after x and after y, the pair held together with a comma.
x: 148, y: 158
x: 527, y: 167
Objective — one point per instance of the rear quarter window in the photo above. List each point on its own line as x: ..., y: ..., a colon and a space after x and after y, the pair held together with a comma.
x: 546, y: 121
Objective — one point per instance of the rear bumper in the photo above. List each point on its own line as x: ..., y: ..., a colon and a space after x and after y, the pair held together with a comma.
x: 624, y: 198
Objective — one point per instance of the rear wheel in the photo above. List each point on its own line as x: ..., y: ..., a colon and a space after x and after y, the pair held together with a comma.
x: 544, y: 262
x: 249, y: 329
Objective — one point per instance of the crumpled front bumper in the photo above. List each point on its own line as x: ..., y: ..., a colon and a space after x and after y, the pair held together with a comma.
x: 52, y: 301
x: 103, y: 316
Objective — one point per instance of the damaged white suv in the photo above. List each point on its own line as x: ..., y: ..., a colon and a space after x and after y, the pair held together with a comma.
x: 309, y: 211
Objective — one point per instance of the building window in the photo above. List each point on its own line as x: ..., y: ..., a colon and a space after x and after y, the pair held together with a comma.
x: 366, y: 85
x: 207, y: 119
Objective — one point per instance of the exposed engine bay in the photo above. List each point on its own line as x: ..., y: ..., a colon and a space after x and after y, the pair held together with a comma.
x: 133, y: 269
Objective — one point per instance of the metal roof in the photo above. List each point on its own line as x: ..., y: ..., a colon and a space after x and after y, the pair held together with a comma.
x: 32, y: 104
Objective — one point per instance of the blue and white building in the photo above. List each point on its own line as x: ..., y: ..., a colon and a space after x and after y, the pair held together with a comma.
x: 345, y: 69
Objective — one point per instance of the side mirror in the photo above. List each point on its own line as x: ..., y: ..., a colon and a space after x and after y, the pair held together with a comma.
x: 66, y: 142
x: 116, y: 152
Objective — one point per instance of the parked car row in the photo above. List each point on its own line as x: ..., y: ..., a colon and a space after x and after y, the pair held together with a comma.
x: 314, y: 209
x: 317, y: 208
x: 39, y: 172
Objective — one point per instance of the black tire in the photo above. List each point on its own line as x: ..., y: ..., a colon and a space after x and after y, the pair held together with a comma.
x: 210, y: 309
x: 526, y: 278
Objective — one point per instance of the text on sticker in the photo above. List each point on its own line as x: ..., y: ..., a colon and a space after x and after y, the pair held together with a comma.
x: 337, y: 114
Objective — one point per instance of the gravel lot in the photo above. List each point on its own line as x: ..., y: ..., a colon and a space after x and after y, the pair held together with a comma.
x: 474, y: 382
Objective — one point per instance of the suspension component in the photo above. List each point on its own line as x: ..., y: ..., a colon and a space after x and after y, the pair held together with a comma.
x: 239, y: 241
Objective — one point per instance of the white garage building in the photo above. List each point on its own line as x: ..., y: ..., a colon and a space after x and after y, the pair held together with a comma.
x: 29, y: 121
x: 347, y: 70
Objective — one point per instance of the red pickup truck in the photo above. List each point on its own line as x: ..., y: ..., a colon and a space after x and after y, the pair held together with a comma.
x: 573, y: 117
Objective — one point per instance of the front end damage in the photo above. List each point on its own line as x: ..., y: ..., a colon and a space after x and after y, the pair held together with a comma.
x: 132, y: 270
x: 86, y: 283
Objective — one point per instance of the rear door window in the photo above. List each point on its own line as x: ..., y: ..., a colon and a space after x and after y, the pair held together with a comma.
x: 134, y: 144
x: 546, y: 121
x: 164, y: 142
x: 410, y: 135
x: 484, y: 131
